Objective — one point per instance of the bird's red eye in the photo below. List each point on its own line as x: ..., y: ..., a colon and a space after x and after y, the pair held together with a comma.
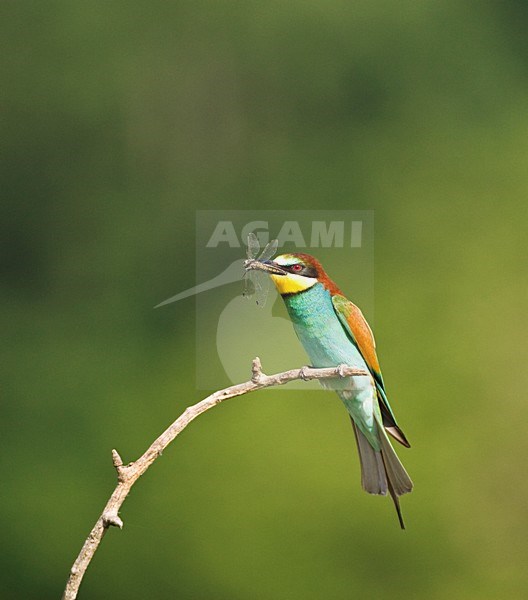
x: 296, y: 268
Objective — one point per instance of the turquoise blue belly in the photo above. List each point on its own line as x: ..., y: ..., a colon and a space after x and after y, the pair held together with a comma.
x: 327, y: 345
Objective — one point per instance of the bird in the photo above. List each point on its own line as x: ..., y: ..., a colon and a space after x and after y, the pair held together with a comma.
x: 333, y: 331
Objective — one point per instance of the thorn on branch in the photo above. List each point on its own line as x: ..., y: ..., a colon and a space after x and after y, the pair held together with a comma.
x: 119, y: 466
x: 256, y: 370
x: 116, y: 459
x: 112, y: 520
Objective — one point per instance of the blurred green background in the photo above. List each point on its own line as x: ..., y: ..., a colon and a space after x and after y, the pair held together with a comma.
x: 119, y: 120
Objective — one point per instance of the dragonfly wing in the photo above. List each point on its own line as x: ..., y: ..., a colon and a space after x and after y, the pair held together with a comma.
x: 249, y: 284
x: 263, y: 296
x: 253, y: 246
x: 269, y: 250
x: 261, y: 288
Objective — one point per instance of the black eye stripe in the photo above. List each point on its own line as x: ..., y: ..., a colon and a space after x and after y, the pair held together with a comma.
x: 306, y: 271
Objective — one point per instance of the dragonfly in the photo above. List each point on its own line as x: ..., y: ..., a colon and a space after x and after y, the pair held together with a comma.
x: 257, y: 282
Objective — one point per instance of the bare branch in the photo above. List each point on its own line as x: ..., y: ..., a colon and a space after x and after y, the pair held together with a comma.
x: 127, y: 475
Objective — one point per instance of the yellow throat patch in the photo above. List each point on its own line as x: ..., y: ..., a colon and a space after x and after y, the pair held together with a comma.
x: 291, y: 283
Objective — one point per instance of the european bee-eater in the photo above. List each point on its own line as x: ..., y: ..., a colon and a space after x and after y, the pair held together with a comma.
x: 334, y: 331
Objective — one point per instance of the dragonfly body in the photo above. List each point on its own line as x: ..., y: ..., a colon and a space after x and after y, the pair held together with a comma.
x: 333, y: 331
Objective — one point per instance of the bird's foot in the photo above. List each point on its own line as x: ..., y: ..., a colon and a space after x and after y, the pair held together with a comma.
x: 303, y: 373
x: 340, y: 370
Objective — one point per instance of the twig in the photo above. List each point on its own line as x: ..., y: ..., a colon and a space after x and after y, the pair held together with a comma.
x: 127, y: 475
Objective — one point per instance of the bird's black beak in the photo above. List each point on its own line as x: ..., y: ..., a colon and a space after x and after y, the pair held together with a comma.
x: 267, y: 265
